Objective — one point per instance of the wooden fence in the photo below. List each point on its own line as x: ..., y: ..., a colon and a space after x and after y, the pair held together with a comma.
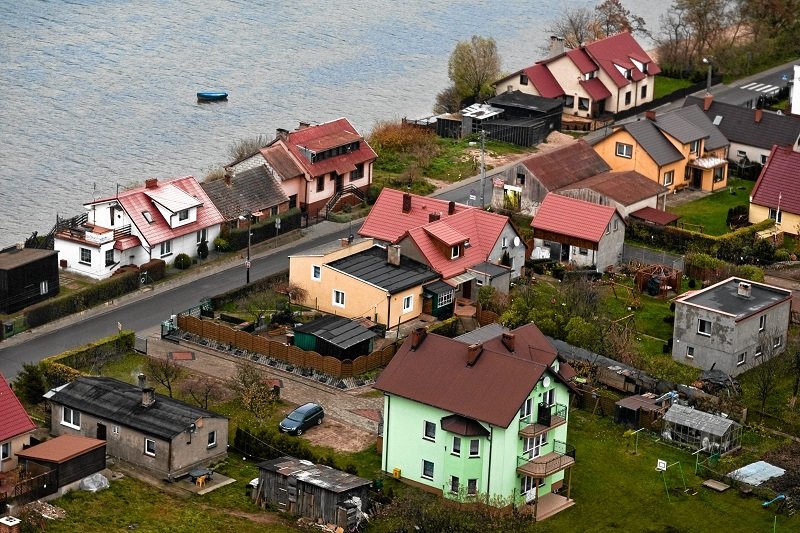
x: 225, y: 334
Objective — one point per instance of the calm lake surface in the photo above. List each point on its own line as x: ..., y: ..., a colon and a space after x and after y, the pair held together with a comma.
x: 102, y: 93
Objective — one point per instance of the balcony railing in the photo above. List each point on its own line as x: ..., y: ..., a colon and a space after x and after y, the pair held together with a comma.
x: 562, y: 456
x: 548, y: 417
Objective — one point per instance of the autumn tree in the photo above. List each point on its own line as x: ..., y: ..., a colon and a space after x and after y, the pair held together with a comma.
x: 164, y: 371
x: 766, y: 368
x: 473, y: 67
x: 250, y: 387
x: 793, y: 349
x: 582, y: 25
x: 202, y: 389
x: 613, y: 17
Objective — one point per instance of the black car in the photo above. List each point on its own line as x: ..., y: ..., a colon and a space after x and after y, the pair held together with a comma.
x: 302, y: 418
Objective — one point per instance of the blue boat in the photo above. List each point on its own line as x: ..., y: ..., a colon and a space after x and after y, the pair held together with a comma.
x: 211, y: 96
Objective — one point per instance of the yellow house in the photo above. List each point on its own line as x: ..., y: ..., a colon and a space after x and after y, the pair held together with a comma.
x: 776, y: 194
x: 678, y: 149
x: 362, y: 279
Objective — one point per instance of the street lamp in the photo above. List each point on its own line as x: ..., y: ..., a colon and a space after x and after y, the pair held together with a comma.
x: 707, y: 61
x: 249, y: 217
x: 483, y: 169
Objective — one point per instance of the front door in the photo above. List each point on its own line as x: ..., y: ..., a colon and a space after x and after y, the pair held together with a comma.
x: 339, y: 181
x: 527, y: 488
x: 697, y: 178
x: 101, y: 431
x: 466, y: 290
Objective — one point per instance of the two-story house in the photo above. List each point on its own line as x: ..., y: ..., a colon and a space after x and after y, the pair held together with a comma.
x: 606, y: 76
x: 728, y: 325
x: 16, y: 428
x: 319, y: 167
x: 157, y: 221
x: 449, y: 431
x: 776, y: 194
x: 677, y: 149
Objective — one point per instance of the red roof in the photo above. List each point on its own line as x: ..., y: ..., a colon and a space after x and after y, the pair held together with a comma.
x: 321, y: 137
x: 582, y: 60
x: 126, y: 243
x: 779, y: 181
x: 544, y: 81
x: 15, y: 421
x: 481, y: 228
x: 620, y: 49
x: 175, y: 195
x: 569, y: 216
x: 656, y: 216
x: 595, y: 88
x: 387, y: 221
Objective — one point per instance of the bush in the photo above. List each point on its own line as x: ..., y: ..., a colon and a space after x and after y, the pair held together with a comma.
x: 183, y: 261
x: 156, y: 269
x: 202, y: 249
x: 782, y: 254
x: 221, y: 245
x: 30, y: 384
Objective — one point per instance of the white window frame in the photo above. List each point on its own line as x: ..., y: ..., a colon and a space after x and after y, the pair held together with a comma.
x: 338, y: 298
x: 764, y: 159
x: 445, y: 299
x: 456, y: 449
x: 183, y: 214
x: 115, y: 430
x: 212, y: 439
x: 316, y: 272
x: 146, y: 447
x: 690, y: 352
x: 429, y: 430
x: 694, y: 147
x: 549, y: 397
x: 5, y: 451
x: 166, y: 248
x: 408, y: 303
x: 425, y: 463
x: 44, y: 286
x: 85, y: 252
x: 202, y: 235
x: 775, y: 215
x: 504, y: 242
x: 526, y: 409
x: 669, y: 178
x: 762, y: 322
x: 455, y: 252
x: 475, y: 448
x: 700, y: 329
x: 532, y: 447
x: 758, y: 352
x: 741, y: 359
x: 777, y: 342
x: 74, y: 416
x: 624, y: 150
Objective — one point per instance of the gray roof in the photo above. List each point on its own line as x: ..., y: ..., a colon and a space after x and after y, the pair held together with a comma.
x: 724, y: 297
x: 490, y: 269
x: 523, y: 100
x: 700, y: 420
x: 439, y: 287
x: 251, y: 190
x: 481, y: 335
x: 121, y: 403
x: 326, y: 248
x: 653, y: 141
x: 738, y: 124
x: 14, y: 258
x: 371, y: 266
x: 680, y: 127
x: 695, y: 116
x: 321, y: 476
x: 337, y: 330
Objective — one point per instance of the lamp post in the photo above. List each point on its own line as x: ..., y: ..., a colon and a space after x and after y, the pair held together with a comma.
x: 707, y: 61
x: 483, y: 169
x: 249, y: 217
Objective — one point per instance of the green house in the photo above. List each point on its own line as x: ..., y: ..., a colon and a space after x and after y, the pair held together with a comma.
x: 482, y: 416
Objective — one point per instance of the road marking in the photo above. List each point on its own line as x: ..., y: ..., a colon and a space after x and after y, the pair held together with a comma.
x: 757, y: 87
x: 769, y: 88
x: 748, y: 85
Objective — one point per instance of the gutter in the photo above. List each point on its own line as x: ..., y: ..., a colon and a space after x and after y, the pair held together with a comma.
x: 386, y: 433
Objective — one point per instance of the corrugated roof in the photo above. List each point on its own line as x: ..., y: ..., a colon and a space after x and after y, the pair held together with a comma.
x: 699, y: 420
x: 436, y: 374
x: 626, y: 186
x: 337, y: 330
x: 566, y: 165
x: 15, y: 419
x: 15, y: 258
x: 321, y: 476
x: 573, y: 217
x: 652, y: 141
x: 61, y: 449
x: 121, y: 403
x: 371, y: 266
x: 595, y: 88
x: 253, y: 190
x: 779, y: 181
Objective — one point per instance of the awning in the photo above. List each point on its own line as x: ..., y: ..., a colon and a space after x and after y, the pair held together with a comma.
x: 654, y: 216
x: 455, y: 281
x: 438, y: 287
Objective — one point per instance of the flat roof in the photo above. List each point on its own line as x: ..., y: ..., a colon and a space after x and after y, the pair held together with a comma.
x: 337, y: 330
x: 14, y: 258
x: 372, y: 267
x: 61, y: 449
x: 725, y: 298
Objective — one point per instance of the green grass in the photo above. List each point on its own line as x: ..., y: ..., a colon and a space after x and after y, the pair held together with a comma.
x: 665, y: 86
x: 711, y: 211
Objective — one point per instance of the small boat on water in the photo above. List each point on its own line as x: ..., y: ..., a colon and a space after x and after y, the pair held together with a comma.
x: 211, y: 96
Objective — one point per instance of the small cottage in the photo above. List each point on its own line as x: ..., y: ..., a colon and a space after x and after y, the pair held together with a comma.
x: 70, y: 457
x: 336, y: 336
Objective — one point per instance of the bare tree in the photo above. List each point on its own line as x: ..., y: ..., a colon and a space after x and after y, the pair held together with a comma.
x: 447, y: 101
x: 251, y: 388
x: 202, y: 389
x: 246, y: 147
x: 164, y: 371
x: 576, y: 26
x: 793, y: 350
x: 613, y: 18
x: 294, y: 292
x: 474, y: 65
x: 765, y: 366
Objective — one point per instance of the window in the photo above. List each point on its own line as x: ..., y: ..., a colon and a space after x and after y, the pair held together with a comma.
x: 454, y: 484
x: 583, y: 251
x: 669, y: 178
x: 115, y: 430
x: 583, y: 104
x: 147, y: 216
x: 719, y: 174
x: 456, y: 446
x: 212, y: 439
x: 624, y: 150
x: 320, y: 183
x: 5, y: 451
x: 523, y: 79
x: 533, y: 447
x: 455, y: 252
x: 338, y: 298
x: 569, y: 101
x: 628, y: 75
x: 358, y: 173
x: 759, y: 351
x: 704, y: 327
x: 86, y: 256
x: 777, y: 341
x: 427, y: 469
x: 183, y: 214
x: 775, y: 215
x: 429, y: 431
x: 549, y: 397
x: 475, y: 448
x: 445, y: 299
x: 504, y: 242
x: 526, y: 409
x: 520, y: 178
x: 616, y: 224
x: 763, y: 159
x: 627, y: 98
x: 202, y: 235
x: 644, y: 91
x: 690, y: 352
x: 150, y: 447
x: 472, y: 487
x: 608, y: 229
x: 166, y: 248
x: 316, y: 272
x: 293, y: 201
x: 479, y: 282
x: 44, y: 286
x: 694, y: 147
x: 70, y: 417
x: 741, y: 359
x: 408, y: 303
x: 109, y: 257
x: 742, y: 154
x: 762, y: 322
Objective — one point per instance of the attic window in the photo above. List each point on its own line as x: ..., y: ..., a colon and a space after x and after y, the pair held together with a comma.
x: 523, y: 79
x: 455, y: 252
x: 147, y: 216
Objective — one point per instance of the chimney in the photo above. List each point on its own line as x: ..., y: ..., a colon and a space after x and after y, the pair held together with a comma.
x: 758, y: 114
x: 344, y: 242
x: 433, y: 217
x: 151, y: 183
x: 650, y: 115
x: 556, y: 45
x: 473, y: 352
x: 303, y: 125
x: 745, y: 289
x: 393, y: 254
x: 509, y: 89
x: 227, y: 176
x: 707, y: 101
x: 148, y: 396
x: 451, y: 207
x: 417, y: 336
x: 406, y: 202
x: 10, y: 524
x: 281, y: 134
x: 142, y: 379
x: 508, y: 341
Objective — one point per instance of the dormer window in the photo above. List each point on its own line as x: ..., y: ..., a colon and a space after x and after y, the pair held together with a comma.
x: 694, y: 147
x: 147, y: 216
x: 523, y: 79
x: 183, y: 214
x: 628, y: 75
x: 455, y: 252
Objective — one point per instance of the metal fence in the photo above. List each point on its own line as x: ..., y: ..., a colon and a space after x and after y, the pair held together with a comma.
x: 648, y: 256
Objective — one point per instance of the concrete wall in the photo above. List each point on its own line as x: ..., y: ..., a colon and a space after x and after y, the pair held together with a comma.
x: 609, y: 249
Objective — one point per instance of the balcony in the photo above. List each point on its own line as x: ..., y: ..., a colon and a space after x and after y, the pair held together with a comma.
x: 562, y: 456
x: 549, y: 417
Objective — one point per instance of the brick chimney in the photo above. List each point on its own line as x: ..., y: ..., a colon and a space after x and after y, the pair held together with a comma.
x: 473, y: 352
x: 282, y: 134
x: 148, y: 396
x: 142, y: 380
x: 417, y: 336
x: 303, y: 125
x: 151, y: 183
x: 650, y: 115
x: 10, y: 524
x: 451, y: 207
x: 508, y: 341
x: 556, y: 45
x: 227, y: 176
x: 759, y: 113
x: 707, y: 101
x: 406, y: 202
x: 433, y: 217
x: 393, y: 254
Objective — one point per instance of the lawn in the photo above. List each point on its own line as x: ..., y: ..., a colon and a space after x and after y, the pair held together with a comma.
x: 665, y: 86
x: 710, y: 212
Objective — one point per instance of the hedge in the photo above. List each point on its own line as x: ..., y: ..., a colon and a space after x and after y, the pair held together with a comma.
x: 84, y: 299
x: 236, y: 239
x: 94, y: 355
x: 220, y: 300
x: 156, y: 269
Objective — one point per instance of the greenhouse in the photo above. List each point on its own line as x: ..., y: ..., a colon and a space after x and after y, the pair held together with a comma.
x: 700, y: 430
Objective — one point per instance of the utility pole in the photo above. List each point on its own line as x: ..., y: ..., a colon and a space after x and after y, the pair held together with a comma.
x: 708, y: 61
x: 249, y: 218
x: 483, y: 169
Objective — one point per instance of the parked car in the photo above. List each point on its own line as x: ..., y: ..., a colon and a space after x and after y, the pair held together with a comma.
x: 302, y: 418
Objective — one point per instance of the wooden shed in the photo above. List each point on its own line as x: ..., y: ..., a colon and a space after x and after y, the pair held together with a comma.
x: 71, y: 457
x: 336, y: 336
x: 27, y: 276
x: 317, y: 492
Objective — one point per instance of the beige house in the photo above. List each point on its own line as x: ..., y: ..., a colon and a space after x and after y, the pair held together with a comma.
x: 678, y: 149
x: 362, y: 279
x: 776, y: 194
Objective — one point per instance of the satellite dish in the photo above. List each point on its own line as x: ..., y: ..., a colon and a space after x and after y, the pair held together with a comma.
x: 705, y: 443
x: 546, y: 381
x: 516, y: 241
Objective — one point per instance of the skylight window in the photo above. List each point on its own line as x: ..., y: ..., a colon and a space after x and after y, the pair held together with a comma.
x: 147, y: 216
x: 717, y: 120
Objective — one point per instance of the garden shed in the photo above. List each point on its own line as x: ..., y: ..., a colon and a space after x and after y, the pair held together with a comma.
x: 336, y: 336
x: 71, y: 457
x: 317, y: 492
x: 641, y: 410
x: 700, y: 430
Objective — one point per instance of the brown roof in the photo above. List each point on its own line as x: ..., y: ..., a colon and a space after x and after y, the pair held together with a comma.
x: 281, y: 161
x: 463, y: 426
x: 656, y: 216
x: 562, y: 167
x: 61, y: 449
x: 626, y: 187
x: 15, y: 258
x: 437, y: 374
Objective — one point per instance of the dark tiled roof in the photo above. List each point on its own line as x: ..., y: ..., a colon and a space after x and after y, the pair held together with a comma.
x: 626, y: 186
x: 337, y: 330
x: 251, y: 190
x: 715, y: 139
x: 463, y: 426
x: 371, y: 266
x: 280, y: 159
x: 526, y: 101
x: 678, y: 126
x: 654, y: 215
x: 650, y: 138
x: 779, y: 181
x: 121, y: 403
x: 490, y: 269
x: 558, y: 168
x: 738, y: 124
